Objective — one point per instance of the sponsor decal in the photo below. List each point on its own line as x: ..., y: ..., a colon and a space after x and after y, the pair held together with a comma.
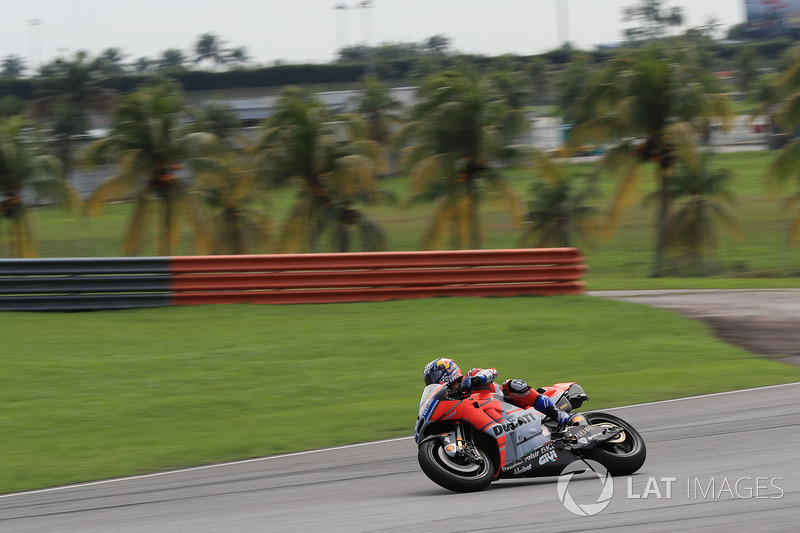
x: 547, y: 451
x: 549, y: 457
x: 429, y: 405
x: 521, y: 420
x: 522, y: 469
x: 588, y: 434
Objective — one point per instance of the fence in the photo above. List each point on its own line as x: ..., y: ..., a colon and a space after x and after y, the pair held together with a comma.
x: 121, y: 283
x: 84, y: 284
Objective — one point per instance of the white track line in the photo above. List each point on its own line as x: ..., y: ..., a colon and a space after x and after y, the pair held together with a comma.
x: 348, y: 446
x: 704, y: 396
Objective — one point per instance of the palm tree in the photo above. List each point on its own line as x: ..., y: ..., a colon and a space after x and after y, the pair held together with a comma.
x: 150, y: 142
x: 654, y: 18
x: 228, y: 184
x: 335, y: 167
x: 78, y: 81
x: 701, y: 195
x: 791, y: 203
x: 142, y: 65
x: 219, y: 119
x: 538, y: 74
x: 515, y: 92
x: 571, y: 86
x: 111, y: 61
x: 10, y: 106
x: 652, y: 104
x: 23, y: 166
x: 70, y: 90
x: 455, y: 132
x: 210, y: 47
x: 238, y: 56
x: 171, y: 60
x: 12, y: 67
x: 437, y: 45
x: 784, y: 108
x: 381, y: 111
x: 559, y: 212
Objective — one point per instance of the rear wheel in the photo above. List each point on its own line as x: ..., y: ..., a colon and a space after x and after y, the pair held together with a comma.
x: 468, y: 472
x: 622, y: 455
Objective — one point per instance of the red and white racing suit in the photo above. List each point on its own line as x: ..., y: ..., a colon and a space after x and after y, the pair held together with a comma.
x: 515, y: 391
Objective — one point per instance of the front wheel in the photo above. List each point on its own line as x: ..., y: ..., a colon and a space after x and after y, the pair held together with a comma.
x: 622, y: 455
x: 466, y: 473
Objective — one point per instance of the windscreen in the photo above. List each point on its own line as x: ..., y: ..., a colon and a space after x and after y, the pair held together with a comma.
x: 426, y: 393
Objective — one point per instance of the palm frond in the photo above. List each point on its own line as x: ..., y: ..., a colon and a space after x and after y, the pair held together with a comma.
x: 627, y: 189
x: 23, y: 234
x: 117, y: 186
x: 794, y: 230
x: 430, y: 170
x: 442, y: 217
x: 785, y: 165
x: 136, y: 225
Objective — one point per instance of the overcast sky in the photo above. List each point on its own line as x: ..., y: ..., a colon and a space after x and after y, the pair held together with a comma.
x: 311, y: 30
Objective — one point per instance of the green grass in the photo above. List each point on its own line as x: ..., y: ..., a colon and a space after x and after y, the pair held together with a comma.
x: 97, y: 395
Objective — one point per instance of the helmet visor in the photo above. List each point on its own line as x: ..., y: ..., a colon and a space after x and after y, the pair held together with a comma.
x: 434, y: 376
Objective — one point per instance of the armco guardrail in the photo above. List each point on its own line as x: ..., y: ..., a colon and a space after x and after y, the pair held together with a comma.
x: 86, y: 284
x: 375, y: 276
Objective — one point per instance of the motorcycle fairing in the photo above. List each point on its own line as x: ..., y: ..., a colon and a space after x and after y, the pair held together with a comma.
x: 566, y: 396
x: 517, y: 431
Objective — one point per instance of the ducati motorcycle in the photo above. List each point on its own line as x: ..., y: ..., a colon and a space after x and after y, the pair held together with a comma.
x: 467, y: 439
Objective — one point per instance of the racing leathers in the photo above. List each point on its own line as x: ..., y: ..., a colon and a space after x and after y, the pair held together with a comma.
x: 516, y: 392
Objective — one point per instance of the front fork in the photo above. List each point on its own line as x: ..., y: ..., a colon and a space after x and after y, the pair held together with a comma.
x: 451, y: 448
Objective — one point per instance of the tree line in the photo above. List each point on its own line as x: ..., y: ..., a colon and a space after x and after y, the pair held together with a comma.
x: 649, y: 107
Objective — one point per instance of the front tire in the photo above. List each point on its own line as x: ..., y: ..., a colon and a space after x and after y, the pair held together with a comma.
x: 624, y: 454
x: 458, y: 476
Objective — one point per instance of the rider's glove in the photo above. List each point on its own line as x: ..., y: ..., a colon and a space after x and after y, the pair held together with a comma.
x: 466, y: 382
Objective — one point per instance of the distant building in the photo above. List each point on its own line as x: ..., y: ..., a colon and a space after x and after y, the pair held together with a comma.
x: 251, y: 111
x: 773, y: 18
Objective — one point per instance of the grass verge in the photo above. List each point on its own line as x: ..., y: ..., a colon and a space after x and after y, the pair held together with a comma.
x: 97, y: 395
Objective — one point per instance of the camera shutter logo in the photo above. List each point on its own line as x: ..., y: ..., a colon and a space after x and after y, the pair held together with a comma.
x: 587, y: 509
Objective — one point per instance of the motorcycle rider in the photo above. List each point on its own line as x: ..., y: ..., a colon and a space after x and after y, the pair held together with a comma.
x: 515, y: 391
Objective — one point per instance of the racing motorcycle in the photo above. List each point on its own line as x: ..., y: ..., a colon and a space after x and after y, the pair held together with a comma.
x: 467, y: 439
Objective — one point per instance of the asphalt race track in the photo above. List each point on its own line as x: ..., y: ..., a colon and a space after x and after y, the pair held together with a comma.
x: 732, y: 458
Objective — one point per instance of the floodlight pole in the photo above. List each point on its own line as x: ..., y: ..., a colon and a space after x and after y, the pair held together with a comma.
x: 366, y: 31
x: 341, y: 23
x: 562, y: 22
x: 36, y: 43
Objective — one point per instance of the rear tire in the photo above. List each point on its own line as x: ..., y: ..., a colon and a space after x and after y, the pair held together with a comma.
x: 451, y: 474
x: 624, y: 454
